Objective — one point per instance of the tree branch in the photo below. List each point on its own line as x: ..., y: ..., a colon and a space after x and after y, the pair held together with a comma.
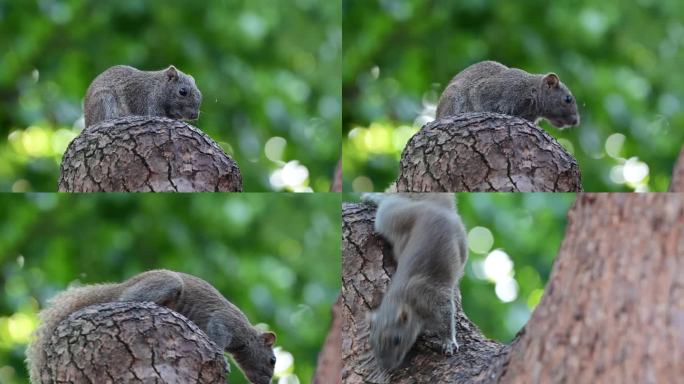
x: 131, y: 343
x: 146, y: 154
x: 489, y: 152
x: 329, y: 367
x: 677, y: 183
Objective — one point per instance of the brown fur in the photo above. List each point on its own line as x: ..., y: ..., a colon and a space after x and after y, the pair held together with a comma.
x: 489, y: 86
x: 123, y: 91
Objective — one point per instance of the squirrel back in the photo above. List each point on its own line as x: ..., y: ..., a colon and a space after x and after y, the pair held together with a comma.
x: 188, y: 295
x: 489, y: 86
x: 122, y: 90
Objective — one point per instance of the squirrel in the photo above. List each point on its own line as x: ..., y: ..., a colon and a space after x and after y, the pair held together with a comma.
x: 188, y: 295
x: 429, y: 245
x: 489, y: 86
x: 123, y: 91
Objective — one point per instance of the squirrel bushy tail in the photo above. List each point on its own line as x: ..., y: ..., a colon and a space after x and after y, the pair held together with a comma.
x: 68, y: 301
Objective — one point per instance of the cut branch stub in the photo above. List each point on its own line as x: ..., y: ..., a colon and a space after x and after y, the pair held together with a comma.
x: 146, y: 154
x: 131, y: 343
x: 366, y: 268
x: 486, y: 152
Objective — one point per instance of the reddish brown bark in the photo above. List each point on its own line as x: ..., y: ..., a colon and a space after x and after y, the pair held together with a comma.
x: 677, y: 183
x: 337, y: 178
x: 486, y: 152
x: 146, y: 154
x: 612, y: 312
x: 131, y: 343
x: 329, y: 367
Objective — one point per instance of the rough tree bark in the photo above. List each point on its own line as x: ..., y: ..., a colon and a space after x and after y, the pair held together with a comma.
x: 677, y: 183
x: 337, y: 178
x: 612, y: 311
x: 329, y: 366
x: 146, y: 154
x: 486, y: 152
x: 131, y: 343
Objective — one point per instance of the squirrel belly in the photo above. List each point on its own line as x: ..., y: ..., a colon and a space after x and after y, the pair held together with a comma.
x: 489, y: 86
x: 124, y: 91
x: 188, y: 295
x: 429, y: 245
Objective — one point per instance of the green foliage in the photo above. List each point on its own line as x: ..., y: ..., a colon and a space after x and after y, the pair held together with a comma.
x: 268, y: 70
x: 621, y: 59
x: 276, y: 256
x: 529, y: 229
x: 513, y: 239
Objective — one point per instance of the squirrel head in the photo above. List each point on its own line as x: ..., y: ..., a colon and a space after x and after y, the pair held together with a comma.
x: 393, y: 331
x: 557, y: 103
x: 181, y: 98
x: 256, y: 358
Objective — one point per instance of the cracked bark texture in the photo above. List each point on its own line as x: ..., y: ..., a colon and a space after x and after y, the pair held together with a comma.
x: 131, y: 343
x: 677, y: 183
x: 612, y: 311
x: 486, y: 152
x: 146, y: 154
x: 329, y: 366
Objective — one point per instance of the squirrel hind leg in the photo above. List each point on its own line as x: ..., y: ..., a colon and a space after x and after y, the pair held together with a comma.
x: 444, y: 325
x: 105, y: 107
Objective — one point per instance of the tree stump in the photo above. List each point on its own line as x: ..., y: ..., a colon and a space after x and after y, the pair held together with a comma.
x: 612, y: 311
x: 146, y: 154
x: 131, y: 343
x: 486, y: 152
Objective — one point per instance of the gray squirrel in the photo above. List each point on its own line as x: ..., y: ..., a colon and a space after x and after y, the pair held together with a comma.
x: 123, y: 91
x: 429, y: 245
x: 489, y: 86
x: 188, y: 295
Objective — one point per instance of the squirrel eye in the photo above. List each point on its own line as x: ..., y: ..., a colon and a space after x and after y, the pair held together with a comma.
x: 396, y: 340
x: 568, y: 99
x: 183, y: 92
x: 273, y: 361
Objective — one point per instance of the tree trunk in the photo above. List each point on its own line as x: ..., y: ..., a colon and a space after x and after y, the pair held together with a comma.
x: 486, y: 152
x: 329, y: 367
x: 612, y: 312
x: 337, y: 178
x: 131, y: 343
x: 146, y: 154
x: 677, y: 183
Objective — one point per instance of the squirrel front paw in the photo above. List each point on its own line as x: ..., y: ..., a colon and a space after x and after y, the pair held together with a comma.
x: 450, y: 347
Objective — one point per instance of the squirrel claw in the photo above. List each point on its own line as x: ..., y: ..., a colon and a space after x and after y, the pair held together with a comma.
x: 450, y: 347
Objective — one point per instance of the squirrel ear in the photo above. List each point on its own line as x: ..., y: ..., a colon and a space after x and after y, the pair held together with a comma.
x: 171, y: 73
x: 269, y: 338
x: 551, y: 80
